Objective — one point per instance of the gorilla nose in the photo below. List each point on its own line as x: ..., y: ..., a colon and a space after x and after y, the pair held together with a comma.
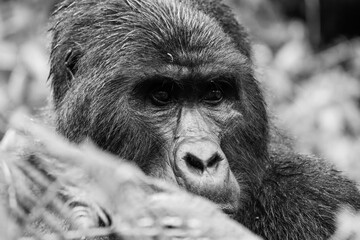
x: 202, y: 161
x: 198, y: 156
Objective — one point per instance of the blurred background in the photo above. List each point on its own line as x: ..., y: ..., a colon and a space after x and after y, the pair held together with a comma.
x: 307, y: 54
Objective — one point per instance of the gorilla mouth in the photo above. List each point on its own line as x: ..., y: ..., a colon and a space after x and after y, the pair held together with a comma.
x: 222, y: 201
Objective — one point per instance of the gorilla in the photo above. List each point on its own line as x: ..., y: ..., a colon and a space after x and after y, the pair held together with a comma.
x: 170, y: 86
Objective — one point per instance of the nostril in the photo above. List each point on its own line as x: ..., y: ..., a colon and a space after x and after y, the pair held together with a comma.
x: 194, y: 162
x: 214, y: 160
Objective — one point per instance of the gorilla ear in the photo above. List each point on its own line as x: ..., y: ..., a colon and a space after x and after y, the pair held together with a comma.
x: 71, y: 62
x: 64, y: 65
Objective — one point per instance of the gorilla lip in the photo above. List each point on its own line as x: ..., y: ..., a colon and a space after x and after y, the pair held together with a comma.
x: 227, y: 209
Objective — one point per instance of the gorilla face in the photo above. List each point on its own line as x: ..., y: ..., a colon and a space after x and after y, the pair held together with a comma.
x: 187, y: 115
x: 166, y: 85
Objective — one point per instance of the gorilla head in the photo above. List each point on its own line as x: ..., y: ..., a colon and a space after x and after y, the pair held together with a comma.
x: 167, y: 84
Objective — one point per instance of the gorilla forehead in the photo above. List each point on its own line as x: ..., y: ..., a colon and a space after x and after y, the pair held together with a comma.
x: 144, y: 30
x: 169, y: 27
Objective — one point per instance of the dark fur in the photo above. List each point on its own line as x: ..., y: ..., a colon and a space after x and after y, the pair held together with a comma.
x: 102, y: 49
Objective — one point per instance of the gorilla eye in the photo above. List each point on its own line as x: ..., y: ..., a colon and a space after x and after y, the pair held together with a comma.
x: 160, y: 97
x: 213, y: 96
